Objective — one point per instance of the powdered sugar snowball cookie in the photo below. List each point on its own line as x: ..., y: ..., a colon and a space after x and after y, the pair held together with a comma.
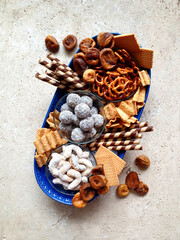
x: 98, y: 120
x: 91, y: 133
x: 87, y: 100
x: 73, y: 99
x: 65, y: 128
x: 76, y: 120
x: 87, y: 124
x: 82, y: 110
x: 66, y: 117
x: 93, y: 110
x: 66, y: 107
x: 77, y: 135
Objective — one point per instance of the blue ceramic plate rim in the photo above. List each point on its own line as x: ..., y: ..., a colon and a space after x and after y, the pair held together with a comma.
x: 40, y: 172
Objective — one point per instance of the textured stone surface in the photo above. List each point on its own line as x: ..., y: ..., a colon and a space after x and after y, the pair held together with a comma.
x: 25, y: 211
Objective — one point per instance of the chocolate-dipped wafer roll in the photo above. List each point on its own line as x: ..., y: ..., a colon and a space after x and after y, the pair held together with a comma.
x: 122, y: 148
x: 112, y: 143
x: 53, y: 82
x: 46, y: 64
x: 143, y: 129
x: 122, y: 134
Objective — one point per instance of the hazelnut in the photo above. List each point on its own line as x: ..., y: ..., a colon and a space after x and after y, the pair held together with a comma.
x: 103, y: 190
x: 142, y: 161
x: 108, y: 59
x: 69, y: 42
x: 98, y: 181
x: 122, y: 190
x: 77, y: 201
x: 89, y: 76
x: 132, y: 180
x: 52, y: 44
x: 142, y: 189
x: 98, y: 170
x: 87, y: 192
x: 86, y: 43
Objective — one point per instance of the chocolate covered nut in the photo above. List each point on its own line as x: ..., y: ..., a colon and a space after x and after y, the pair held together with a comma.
x: 52, y: 44
x: 69, y: 42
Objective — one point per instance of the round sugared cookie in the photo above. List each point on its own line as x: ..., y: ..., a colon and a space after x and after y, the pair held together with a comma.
x: 65, y: 107
x: 82, y: 110
x: 76, y: 120
x: 98, y: 120
x: 77, y: 135
x: 91, y: 133
x: 87, y: 100
x: 65, y: 128
x: 66, y: 117
x: 73, y: 99
x: 87, y: 124
x: 93, y: 110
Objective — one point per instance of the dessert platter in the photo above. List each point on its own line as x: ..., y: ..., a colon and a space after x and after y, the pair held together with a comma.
x: 93, y: 118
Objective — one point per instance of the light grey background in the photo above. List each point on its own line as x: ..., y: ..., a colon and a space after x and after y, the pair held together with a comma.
x: 25, y: 211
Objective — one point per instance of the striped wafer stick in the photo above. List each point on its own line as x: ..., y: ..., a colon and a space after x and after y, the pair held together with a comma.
x: 53, y: 82
x: 77, y: 83
x: 144, y: 129
x: 122, y: 134
x: 46, y: 64
x: 113, y: 143
x: 122, y: 148
x: 53, y: 75
x: 139, y: 125
x: 63, y: 67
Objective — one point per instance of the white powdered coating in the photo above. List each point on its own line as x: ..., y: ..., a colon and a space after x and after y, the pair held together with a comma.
x: 66, y: 117
x: 66, y: 107
x: 73, y: 99
x: 87, y: 124
x: 82, y: 110
x: 76, y: 120
x: 98, y: 120
x: 65, y: 128
x: 93, y: 110
x: 87, y: 100
x: 77, y: 135
x: 91, y: 133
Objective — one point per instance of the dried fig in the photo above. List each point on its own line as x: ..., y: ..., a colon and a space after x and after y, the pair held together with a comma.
x: 108, y: 59
x: 142, y: 161
x: 89, y: 76
x: 92, y: 56
x: 122, y: 190
x: 52, y: 44
x: 86, y: 43
x: 79, y: 65
x: 132, y: 180
x: 77, y: 201
x: 69, y: 42
x: 87, y: 192
x: 98, y: 181
x: 98, y: 170
x: 79, y: 55
x: 105, y: 39
x: 103, y: 190
x: 142, y: 189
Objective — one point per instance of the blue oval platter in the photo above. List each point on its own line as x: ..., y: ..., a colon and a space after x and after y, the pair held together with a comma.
x: 40, y: 172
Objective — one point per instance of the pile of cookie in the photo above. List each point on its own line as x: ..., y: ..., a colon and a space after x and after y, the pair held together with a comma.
x: 112, y: 69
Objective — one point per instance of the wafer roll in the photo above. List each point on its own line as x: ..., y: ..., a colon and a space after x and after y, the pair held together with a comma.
x: 113, y: 143
x: 63, y: 67
x: 143, y: 129
x: 53, y: 82
x: 122, y: 134
x: 122, y: 148
x: 139, y: 125
x: 47, y: 64
x: 53, y: 75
